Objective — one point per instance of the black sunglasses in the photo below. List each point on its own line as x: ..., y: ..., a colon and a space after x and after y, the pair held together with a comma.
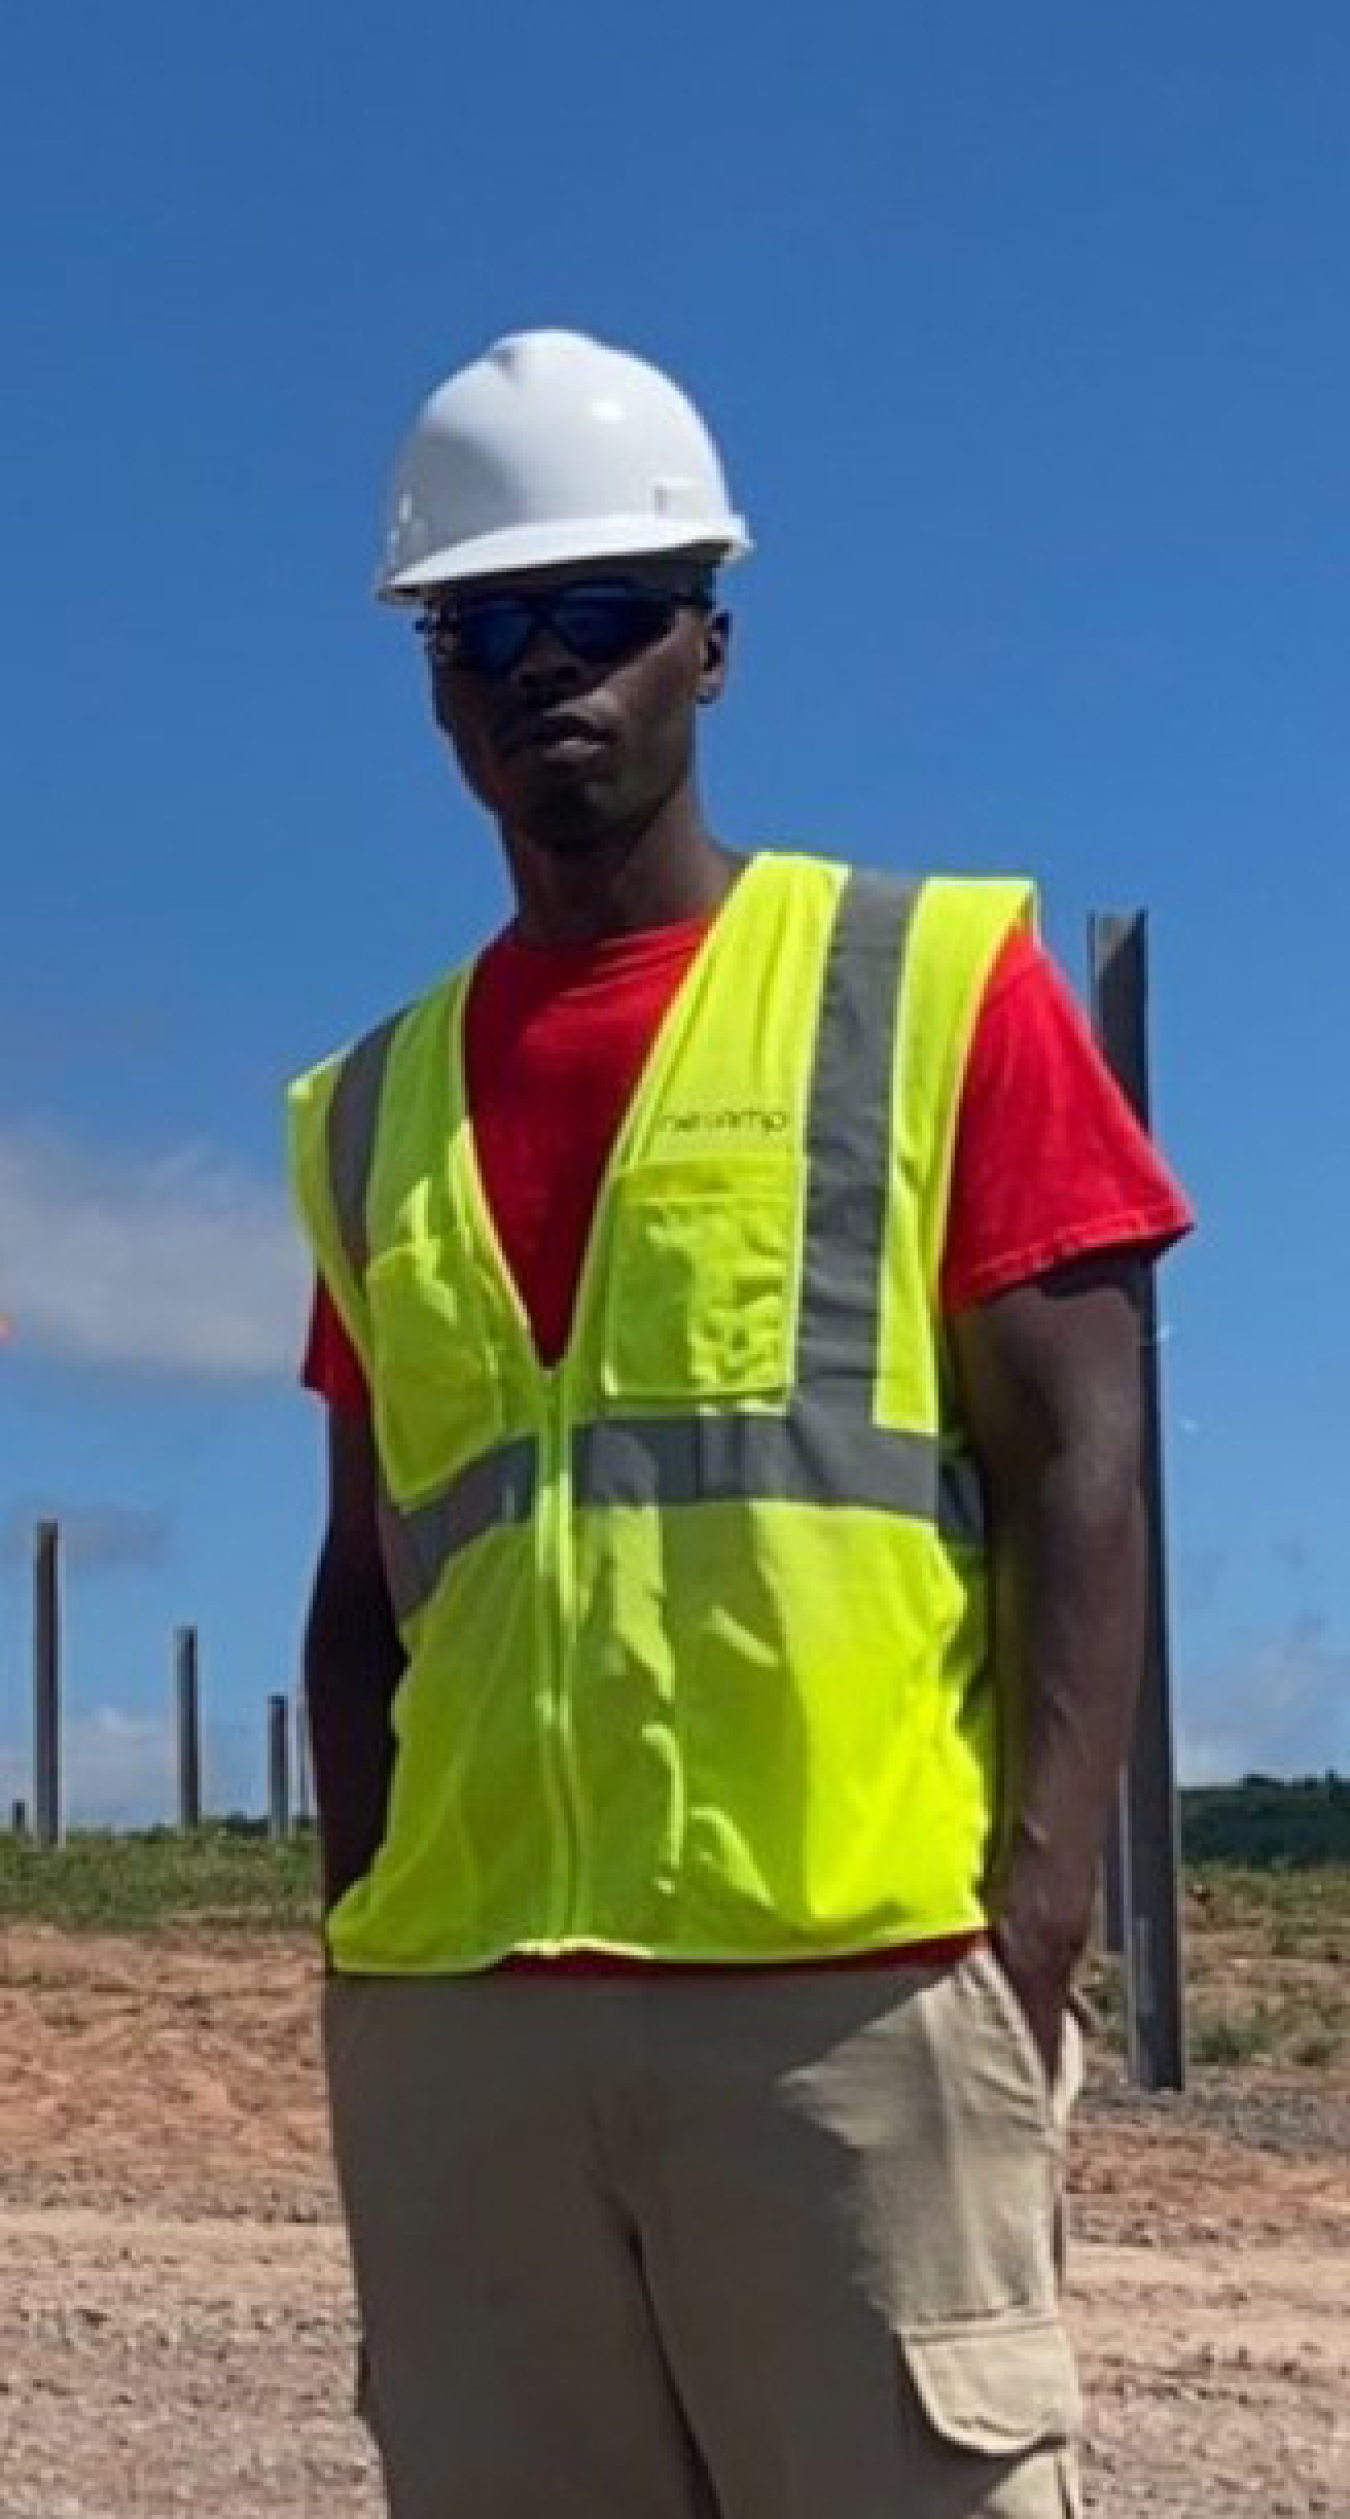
x: 598, y: 619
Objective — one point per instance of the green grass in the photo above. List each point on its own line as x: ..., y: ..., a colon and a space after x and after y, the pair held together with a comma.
x: 1292, y: 1902
x: 1295, y: 1923
x: 228, y: 1874
x: 1316, y: 2047
x: 1233, y: 2037
x: 1265, y: 1954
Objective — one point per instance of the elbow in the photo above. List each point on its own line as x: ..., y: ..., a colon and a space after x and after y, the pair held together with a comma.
x: 1092, y: 1497
x: 328, y: 1627
x: 1084, y: 1478
x: 352, y: 1646
x: 1100, y: 1457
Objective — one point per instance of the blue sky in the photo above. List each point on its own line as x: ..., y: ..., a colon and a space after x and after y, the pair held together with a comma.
x: 1025, y: 332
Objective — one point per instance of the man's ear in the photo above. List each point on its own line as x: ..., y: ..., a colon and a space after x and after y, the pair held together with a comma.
x: 716, y: 664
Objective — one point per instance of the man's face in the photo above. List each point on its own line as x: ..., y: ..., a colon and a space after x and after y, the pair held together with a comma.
x: 565, y: 752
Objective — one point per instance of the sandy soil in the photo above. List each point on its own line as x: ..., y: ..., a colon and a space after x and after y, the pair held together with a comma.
x: 175, y: 2319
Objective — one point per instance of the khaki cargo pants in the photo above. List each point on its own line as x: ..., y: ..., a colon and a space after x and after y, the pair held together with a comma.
x: 743, y: 2247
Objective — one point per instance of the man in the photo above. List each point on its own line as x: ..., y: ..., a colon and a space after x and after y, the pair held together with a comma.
x: 724, y: 1639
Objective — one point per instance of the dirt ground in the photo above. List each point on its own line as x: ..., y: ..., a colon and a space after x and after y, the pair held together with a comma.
x: 175, y: 2319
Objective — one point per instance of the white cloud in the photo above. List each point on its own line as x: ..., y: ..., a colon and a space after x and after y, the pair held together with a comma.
x: 119, y: 1769
x: 95, y: 1538
x: 178, y: 1262
x: 1282, y: 1709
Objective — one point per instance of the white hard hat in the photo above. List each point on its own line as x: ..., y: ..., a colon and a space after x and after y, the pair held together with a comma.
x: 549, y: 449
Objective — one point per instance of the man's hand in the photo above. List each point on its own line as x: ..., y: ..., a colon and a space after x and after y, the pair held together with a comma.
x: 1040, y: 1974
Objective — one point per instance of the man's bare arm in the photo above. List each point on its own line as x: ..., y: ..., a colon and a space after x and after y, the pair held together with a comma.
x: 353, y: 1662
x: 1050, y: 1382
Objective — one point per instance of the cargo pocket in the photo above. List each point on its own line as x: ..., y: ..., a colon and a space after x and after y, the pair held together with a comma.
x: 434, y: 1385
x: 700, y: 1300
x: 1000, y: 2386
x: 995, y: 2413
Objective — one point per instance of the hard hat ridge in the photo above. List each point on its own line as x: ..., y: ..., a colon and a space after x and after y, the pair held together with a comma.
x: 552, y: 448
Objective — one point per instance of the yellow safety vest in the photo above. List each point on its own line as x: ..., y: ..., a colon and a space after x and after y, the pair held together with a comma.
x: 695, y: 1620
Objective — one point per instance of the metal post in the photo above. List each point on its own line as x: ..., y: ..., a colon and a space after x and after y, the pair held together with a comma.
x: 1113, y: 1876
x: 278, y: 1776
x: 1149, y: 1866
x: 302, y: 1760
x: 47, y: 1684
x: 187, y: 1692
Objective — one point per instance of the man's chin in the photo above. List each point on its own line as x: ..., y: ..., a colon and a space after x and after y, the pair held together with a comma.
x: 567, y: 817
x: 561, y: 838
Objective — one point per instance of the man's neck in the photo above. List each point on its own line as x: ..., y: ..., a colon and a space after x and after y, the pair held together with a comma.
x: 672, y: 869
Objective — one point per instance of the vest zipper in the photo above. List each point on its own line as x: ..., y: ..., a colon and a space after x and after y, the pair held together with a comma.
x: 558, y: 1588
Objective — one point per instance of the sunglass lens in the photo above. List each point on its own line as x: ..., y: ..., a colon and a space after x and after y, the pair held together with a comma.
x: 492, y: 637
x: 600, y: 624
x: 597, y: 622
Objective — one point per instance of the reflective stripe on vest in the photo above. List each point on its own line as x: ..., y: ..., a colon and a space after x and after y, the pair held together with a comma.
x: 824, y: 1448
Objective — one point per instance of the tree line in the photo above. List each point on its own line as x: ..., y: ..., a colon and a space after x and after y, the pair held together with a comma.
x: 1269, y: 1822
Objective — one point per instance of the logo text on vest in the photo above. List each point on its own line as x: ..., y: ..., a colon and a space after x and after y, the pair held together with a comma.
x: 744, y: 1118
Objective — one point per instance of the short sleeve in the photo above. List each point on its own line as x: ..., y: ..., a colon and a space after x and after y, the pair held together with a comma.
x: 1050, y: 1163
x: 332, y: 1366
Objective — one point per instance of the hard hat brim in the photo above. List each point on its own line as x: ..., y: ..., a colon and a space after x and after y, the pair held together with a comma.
x: 522, y: 547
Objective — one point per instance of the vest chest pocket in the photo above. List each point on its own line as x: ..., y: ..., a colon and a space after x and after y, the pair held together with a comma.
x: 701, y: 1292
x: 434, y: 1382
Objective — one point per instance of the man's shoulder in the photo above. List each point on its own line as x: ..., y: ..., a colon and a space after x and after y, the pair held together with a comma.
x: 980, y: 883
x: 373, y: 1040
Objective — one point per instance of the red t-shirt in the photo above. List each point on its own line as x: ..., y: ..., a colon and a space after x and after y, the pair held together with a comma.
x: 1049, y: 1163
